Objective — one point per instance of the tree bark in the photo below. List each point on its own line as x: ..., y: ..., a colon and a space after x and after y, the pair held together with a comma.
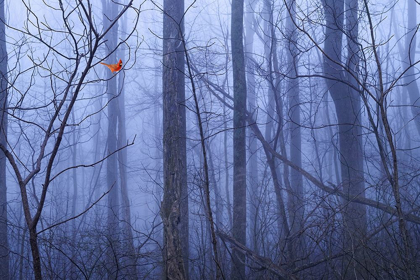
x: 239, y: 143
x: 174, y: 210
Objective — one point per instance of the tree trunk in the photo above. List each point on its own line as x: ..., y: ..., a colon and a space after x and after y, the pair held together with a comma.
x: 279, y: 139
x: 296, y: 205
x: 267, y: 16
x: 226, y: 165
x: 252, y: 140
x: 73, y: 267
x: 225, y: 142
x: 157, y: 192
x: 409, y: 59
x: 239, y: 143
x: 219, y: 221
x: 347, y: 104
x: 36, y: 259
x: 130, y: 271
x: 110, y: 11
x: 174, y: 209
x: 4, y: 246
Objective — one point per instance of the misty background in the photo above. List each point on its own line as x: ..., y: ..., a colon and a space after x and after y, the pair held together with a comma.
x: 242, y: 139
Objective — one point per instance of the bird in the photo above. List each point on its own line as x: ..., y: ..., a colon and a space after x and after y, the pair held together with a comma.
x: 114, y: 67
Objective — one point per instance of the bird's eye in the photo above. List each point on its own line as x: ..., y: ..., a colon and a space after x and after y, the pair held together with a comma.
x: 120, y: 64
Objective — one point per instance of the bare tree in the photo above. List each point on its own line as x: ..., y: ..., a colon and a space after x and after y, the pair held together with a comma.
x: 331, y: 190
x: 4, y: 246
x: 72, y: 75
x: 128, y: 240
x: 252, y: 101
x: 296, y: 199
x: 239, y: 133
x: 343, y: 90
x: 109, y: 13
x: 174, y: 210
x: 409, y: 58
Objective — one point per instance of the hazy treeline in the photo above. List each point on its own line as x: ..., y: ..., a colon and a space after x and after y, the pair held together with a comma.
x: 243, y: 139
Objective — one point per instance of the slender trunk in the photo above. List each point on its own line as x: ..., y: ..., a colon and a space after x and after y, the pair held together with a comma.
x: 73, y: 206
x: 216, y: 188
x: 110, y: 11
x: 125, y: 202
x: 219, y: 208
x: 36, y: 259
x: 252, y: 140
x: 290, y: 256
x: 225, y: 141
x: 281, y: 207
x: 226, y: 159
x: 296, y: 203
x: 334, y: 155
x: 22, y: 249
x: 157, y: 234
x: 239, y: 143
x: 281, y: 139
x: 267, y: 16
x: 4, y: 245
x: 122, y: 165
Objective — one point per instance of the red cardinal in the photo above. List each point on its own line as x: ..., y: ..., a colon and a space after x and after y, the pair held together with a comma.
x: 114, y: 67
